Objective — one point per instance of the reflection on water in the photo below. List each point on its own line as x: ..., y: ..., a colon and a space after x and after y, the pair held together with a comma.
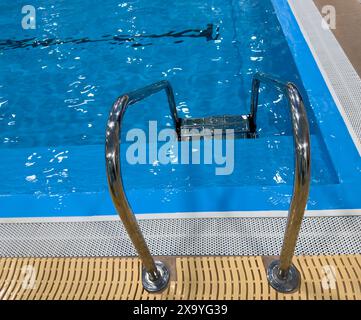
x: 58, y: 82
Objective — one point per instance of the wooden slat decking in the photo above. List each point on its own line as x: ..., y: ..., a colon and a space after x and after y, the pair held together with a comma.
x: 200, y: 278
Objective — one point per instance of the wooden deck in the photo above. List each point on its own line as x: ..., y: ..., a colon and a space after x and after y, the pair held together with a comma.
x: 203, y: 278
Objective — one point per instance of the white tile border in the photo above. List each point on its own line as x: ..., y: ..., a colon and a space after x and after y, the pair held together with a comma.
x: 188, y: 215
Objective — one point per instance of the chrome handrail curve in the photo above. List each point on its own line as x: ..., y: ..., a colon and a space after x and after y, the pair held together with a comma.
x: 155, y: 274
x: 282, y: 274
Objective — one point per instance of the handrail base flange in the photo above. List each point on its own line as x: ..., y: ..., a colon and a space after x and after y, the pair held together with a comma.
x: 160, y: 283
x: 288, y: 284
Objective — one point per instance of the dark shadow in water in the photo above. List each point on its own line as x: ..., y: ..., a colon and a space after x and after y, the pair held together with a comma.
x: 209, y: 33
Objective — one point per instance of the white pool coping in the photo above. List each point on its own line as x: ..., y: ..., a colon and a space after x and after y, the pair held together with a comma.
x: 188, y: 215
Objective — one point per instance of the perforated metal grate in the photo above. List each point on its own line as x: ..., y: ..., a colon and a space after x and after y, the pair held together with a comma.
x: 207, y: 236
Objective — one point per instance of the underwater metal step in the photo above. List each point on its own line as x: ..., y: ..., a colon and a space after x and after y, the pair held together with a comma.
x: 217, y: 126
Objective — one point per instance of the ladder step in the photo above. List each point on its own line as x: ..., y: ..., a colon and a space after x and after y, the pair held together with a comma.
x: 201, y: 127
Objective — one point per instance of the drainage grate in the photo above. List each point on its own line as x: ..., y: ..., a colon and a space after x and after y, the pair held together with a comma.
x: 207, y: 236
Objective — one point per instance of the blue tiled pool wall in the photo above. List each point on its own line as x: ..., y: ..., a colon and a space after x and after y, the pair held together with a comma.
x: 60, y: 170
x: 332, y: 128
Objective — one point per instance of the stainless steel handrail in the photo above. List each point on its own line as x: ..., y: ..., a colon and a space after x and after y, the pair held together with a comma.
x: 282, y: 274
x: 155, y: 274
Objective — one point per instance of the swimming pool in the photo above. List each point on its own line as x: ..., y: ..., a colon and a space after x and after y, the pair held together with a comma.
x: 58, y: 82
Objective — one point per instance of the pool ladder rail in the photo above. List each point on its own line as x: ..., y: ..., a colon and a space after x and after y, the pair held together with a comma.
x: 282, y: 274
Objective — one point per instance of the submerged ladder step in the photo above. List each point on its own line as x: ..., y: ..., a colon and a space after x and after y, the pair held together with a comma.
x: 216, y: 126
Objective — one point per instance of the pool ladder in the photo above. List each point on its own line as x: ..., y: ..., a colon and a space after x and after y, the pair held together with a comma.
x: 282, y: 274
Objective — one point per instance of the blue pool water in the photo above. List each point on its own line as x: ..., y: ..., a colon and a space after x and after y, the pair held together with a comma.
x: 58, y: 82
